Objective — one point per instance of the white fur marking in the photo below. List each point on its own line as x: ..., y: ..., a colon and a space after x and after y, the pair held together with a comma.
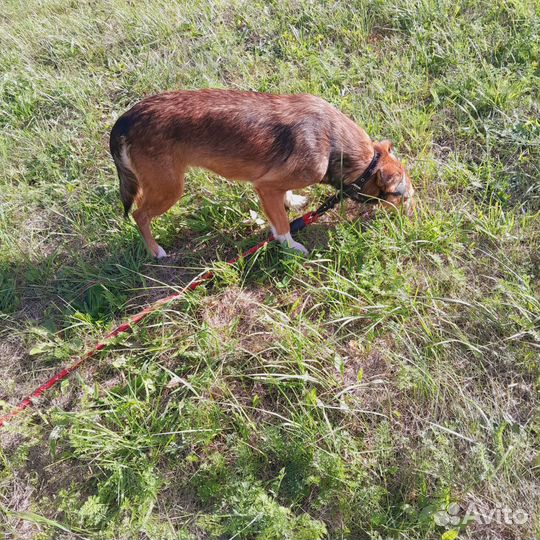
x: 124, y: 155
x: 161, y: 253
x: 293, y: 201
x: 287, y: 240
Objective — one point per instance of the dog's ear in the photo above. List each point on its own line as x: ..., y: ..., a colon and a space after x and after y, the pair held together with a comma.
x: 385, y: 147
x: 389, y: 171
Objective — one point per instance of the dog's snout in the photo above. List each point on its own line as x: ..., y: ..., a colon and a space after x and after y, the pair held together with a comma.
x: 401, y: 189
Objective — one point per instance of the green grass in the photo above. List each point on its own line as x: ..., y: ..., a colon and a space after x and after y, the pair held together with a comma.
x: 352, y: 394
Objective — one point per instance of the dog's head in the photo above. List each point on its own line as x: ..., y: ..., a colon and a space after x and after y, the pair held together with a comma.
x: 395, y: 187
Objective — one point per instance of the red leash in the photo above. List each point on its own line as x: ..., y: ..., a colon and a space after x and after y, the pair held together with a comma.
x: 296, y: 225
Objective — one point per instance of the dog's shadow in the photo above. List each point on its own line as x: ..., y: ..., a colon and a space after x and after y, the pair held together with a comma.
x: 191, y: 256
x: 105, y: 281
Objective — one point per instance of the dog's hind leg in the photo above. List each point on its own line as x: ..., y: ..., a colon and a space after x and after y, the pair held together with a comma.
x: 161, y: 188
x: 143, y: 218
x: 273, y: 203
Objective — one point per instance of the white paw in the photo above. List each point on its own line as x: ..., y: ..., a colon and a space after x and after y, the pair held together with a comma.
x: 297, y: 246
x: 161, y: 253
x: 288, y: 241
x: 294, y: 202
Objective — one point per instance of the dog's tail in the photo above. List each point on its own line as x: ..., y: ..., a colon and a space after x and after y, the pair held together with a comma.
x: 129, y: 185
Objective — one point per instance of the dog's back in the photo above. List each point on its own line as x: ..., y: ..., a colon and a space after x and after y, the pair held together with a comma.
x: 219, y: 129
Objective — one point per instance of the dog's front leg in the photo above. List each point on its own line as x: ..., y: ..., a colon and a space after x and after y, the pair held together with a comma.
x: 273, y: 203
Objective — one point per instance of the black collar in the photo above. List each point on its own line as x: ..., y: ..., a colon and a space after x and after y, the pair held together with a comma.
x: 354, y: 190
x: 370, y: 171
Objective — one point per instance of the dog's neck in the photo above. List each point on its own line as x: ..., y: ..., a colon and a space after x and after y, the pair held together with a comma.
x: 345, y: 167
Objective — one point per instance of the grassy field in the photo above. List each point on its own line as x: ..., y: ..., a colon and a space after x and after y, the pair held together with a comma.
x: 353, y: 394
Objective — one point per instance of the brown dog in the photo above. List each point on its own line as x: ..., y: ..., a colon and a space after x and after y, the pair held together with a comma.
x: 277, y: 142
